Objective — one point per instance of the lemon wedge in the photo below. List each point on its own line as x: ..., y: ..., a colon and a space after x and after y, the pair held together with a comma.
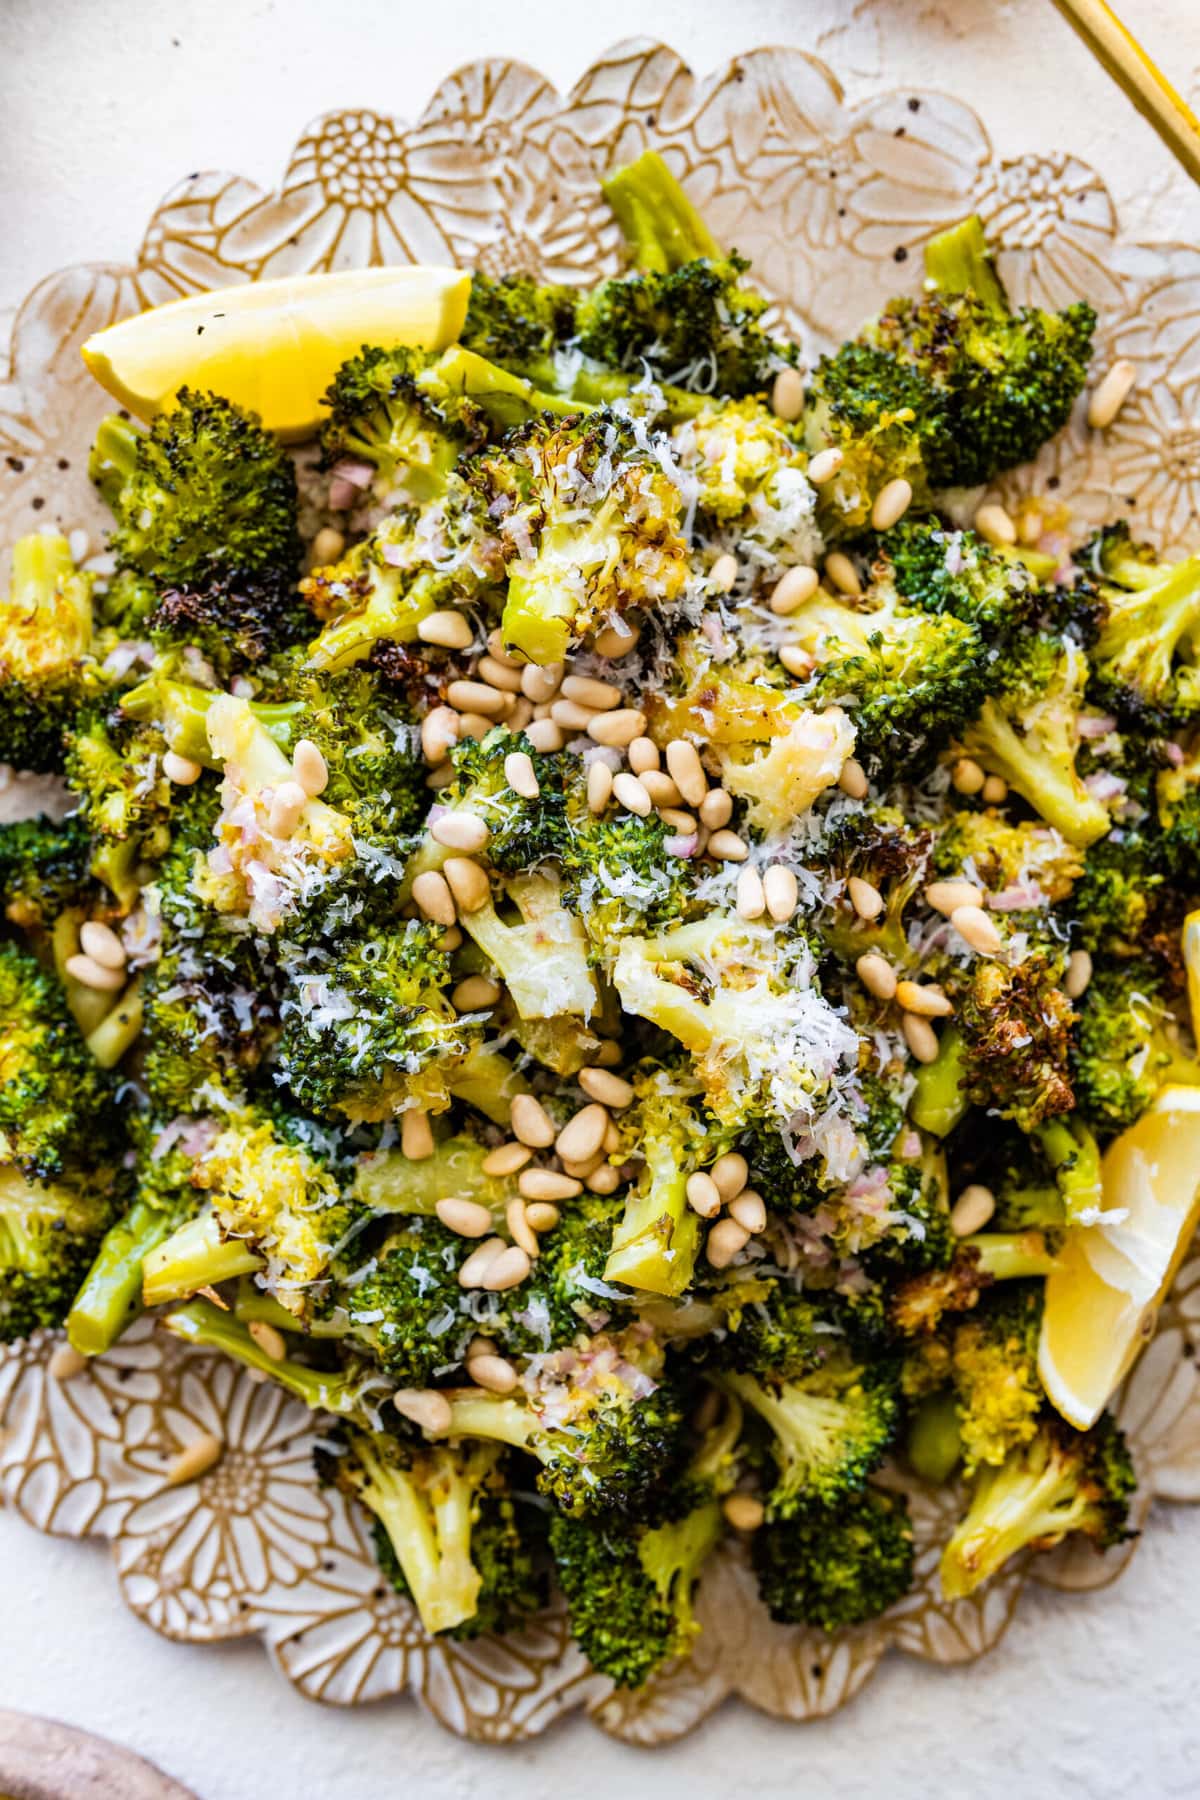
x: 274, y: 346
x: 1105, y: 1290
x: 1191, y: 962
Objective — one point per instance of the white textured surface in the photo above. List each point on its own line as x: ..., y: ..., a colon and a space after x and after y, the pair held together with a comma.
x: 1086, y: 1696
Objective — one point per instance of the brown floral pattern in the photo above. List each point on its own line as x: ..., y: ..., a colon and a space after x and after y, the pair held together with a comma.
x: 502, y: 172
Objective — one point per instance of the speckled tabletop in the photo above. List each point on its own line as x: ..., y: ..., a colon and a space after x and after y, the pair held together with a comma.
x: 102, y: 106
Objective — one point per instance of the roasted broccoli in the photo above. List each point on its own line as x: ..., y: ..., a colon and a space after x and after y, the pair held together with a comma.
x: 46, y: 670
x: 835, y: 1565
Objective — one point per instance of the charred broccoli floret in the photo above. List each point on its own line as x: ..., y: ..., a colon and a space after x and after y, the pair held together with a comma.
x: 1014, y: 1026
x: 946, y: 571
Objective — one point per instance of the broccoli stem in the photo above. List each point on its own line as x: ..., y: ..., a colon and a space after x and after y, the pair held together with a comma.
x: 958, y: 261
x: 430, y: 1531
x: 112, y: 1288
x: 655, y: 1246
x: 389, y: 1182
x: 934, y: 1444
x: 508, y: 400
x: 1011, y: 1255
x: 659, y: 223
x: 43, y: 571
x: 252, y: 1306
x: 939, y: 1100
x: 206, y: 1326
x: 119, y: 1028
x: 181, y: 711
x: 487, y: 1081
x: 195, y: 1256
x: 1073, y: 1153
x: 1012, y: 1506
x: 1054, y: 791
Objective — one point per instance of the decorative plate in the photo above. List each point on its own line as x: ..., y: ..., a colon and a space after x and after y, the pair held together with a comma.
x: 502, y: 172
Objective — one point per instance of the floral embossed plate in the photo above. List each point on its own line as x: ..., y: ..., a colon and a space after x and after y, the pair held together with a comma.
x: 503, y: 172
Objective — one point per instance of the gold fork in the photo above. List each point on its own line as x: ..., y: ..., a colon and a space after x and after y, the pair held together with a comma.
x: 1143, y: 82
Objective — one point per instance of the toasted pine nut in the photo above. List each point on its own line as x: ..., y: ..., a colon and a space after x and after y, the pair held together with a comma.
x: 92, y: 974
x: 287, y: 803
x: 920, y: 1037
x: 532, y: 1123
x: 571, y: 716
x: 582, y: 1136
x: 542, y: 1215
x: 723, y: 573
x: 683, y: 823
x: 1110, y: 395
x: 195, y: 1459
x: 601, y: 696
x: 853, y: 779
x: 310, y: 768
x: 891, y: 503
x: 604, y: 1180
x: 727, y: 846
x: 716, y: 806
x: 416, y: 1135
x: 661, y: 788
x: 730, y: 1173
x: 492, y: 1373
x: 477, y: 696
x: 992, y: 522
x: 781, y: 892
x: 687, y: 771
x: 182, y: 770
x: 967, y: 777
x: 973, y: 924
x: 617, y: 728
x: 615, y: 642
x: 924, y: 1000
x: 496, y: 650
x: 521, y: 714
x: 506, y: 1159
x: 65, y: 1363
x: 724, y: 1241
x: 425, y: 1407
x: 468, y: 883
x: 1078, y: 974
x: 1030, y: 525
x: 972, y: 1210
x: 787, y: 395
x: 544, y: 735
x: 500, y: 675
x: 609, y: 1055
x: 796, y: 661
x: 327, y: 546
x: 946, y: 896
x: 750, y: 1210
x: 460, y: 831
x: 842, y: 573
x: 474, y: 993
x: 508, y: 1271
x: 548, y: 1184
x: 541, y: 684
x: 599, y: 786
x: 994, y: 791
x: 474, y: 725
x: 794, y: 588
x: 467, y: 1217
x: 439, y: 732
x: 432, y: 894
x: 101, y: 943
x: 451, y: 939
x: 643, y: 755
x: 751, y: 900
x: 451, y: 630
x: 630, y: 794
x: 609, y: 1089
x: 877, y: 975
x: 703, y: 1195
x: 473, y: 1270
x: 744, y: 1512
x: 519, y: 1228
x: 825, y: 465
x: 518, y: 772
x: 865, y: 897
x: 270, y: 1341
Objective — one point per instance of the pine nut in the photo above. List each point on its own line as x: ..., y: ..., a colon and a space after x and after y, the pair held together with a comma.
x: 449, y: 630
x: 727, y: 846
x: 478, y: 697
x: 967, y: 777
x: 101, y: 943
x: 796, y: 661
x: 877, y: 975
x: 451, y: 939
x: 744, y: 1512
x: 287, y: 804
x: 271, y: 1342
x: 548, y: 1184
x: 582, y: 1170
x: 605, y: 1180
x: 793, y: 589
x: 496, y: 650
x: 468, y: 883
x: 460, y: 831
x: 492, y: 1373
x: 920, y: 1037
x: 466, y: 1217
x: 582, y: 1136
x: 1078, y: 974
x: 532, y: 1123
x: 94, y: 975
x: 544, y: 735
x: 425, y: 1407
x: 865, y: 897
x: 973, y: 924
x: 750, y: 1210
x: 473, y: 1270
x: 825, y: 465
x: 1110, y: 395
x: 631, y: 794
x: 439, y: 733
x: 571, y: 716
x: 508, y: 1271
x: 609, y: 1055
x: 993, y: 522
x: 924, y: 1000
x: 661, y: 788
x: 703, y: 1195
x: 723, y: 573
x: 643, y: 756
x: 327, y: 546
x: 1030, y: 525
x: 416, y: 1135
x: 994, y: 791
x: 541, y: 684
x: 947, y: 896
x: 972, y: 1210
x: 432, y: 894
x: 609, y: 1089
x: 499, y: 675
x: 195, y: 1459
x: 724, y: 1242
x: 519, y: 774
x: 891, y: 503
x: 617, y: 729
x: 730, y: 1173
x: 601, y: 696
x: 853, y: 779
x: 310, y: 768
x: 781, y: 891
x: 474, y: 993
x: 787, y: 395
x: 182, y: 770
x: 519, y: 1228
x: 685, y: 824
x: 521, y: 714
x: 687, y: 771
x: 612, y: 1139
x: 599, y: 786
x: 716, y: 806
x: 506, y: 1159
x: 65, y: 1363
x: 542, y: 1215
x: 474, y: 725
x: 842, y: 573
x: 614, y: 642
x: 751, y: 900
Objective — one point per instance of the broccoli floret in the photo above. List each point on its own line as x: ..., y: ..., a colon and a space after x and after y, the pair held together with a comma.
x: 655, y: 1245
x: 1060, y: 1482
x: 205, y: 494
x: 1177, y: 808
x: 1027, y: 733
x: 400, y: 1300
x: 1029, y: 861
x: 1014, y: 1026
x: 43, y: 869
x: 518, y: 321
x: 839, y: 1565
x: 46, y: 672
x: 753, y: 490
x: 946, y: 571
x: 879, y: 845
x: 993, y: 1369
x: 1143, y: 658
x: 49, y: 1233
x: 1127, y: 1045
x: 237, y: 622
x: 54, y: 1098
x: 569, y: 1292
x: 781, y: 759
x: 618, y: 873
x: 919, y: 1305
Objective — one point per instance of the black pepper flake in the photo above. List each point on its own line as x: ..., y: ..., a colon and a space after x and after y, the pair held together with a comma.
x: 37, y: 503
x: 899, y: 254
x: 15, y: 464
